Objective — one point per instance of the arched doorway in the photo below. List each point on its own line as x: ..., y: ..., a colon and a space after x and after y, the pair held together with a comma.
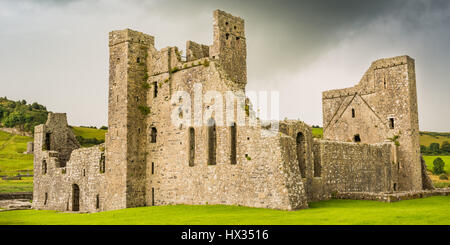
x: 301, y: 153
x: 75, y: 197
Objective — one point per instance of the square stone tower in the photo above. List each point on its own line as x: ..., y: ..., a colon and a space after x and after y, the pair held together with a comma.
x: 229, y: 46
x: 382, y: 107
x: 125, y: 142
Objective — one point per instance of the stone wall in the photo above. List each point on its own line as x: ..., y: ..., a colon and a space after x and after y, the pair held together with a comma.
x: 357, y: 167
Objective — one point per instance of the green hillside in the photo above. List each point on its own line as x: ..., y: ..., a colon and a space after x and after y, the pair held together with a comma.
x: 21, y: 115
x: 88, y: 133
x: 89, y: 136
x: 426, y: 138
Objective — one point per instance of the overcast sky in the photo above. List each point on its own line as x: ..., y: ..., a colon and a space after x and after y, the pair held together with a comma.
x: 56, y: 52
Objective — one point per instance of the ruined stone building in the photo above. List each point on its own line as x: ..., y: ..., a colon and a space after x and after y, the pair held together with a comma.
x: 370, y: 143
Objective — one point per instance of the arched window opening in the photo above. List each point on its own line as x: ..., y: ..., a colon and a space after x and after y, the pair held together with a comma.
x: 301, y: 151
x: 233, y: 143
x: 153, y: 135
x: 47, y: 142
x: 212, y: 142
x: 191, y: 143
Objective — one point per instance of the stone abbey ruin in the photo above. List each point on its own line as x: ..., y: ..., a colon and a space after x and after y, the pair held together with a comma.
x: 370, y: 144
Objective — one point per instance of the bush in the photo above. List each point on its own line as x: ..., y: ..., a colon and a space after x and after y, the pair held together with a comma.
x: 438, y: 166
x: 443, y: 177
x: 104, y: 128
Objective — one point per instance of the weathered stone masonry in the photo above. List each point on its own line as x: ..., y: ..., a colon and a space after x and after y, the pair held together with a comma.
x: 147, y: 160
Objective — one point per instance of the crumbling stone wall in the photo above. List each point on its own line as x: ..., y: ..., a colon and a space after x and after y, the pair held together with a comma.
x: 53, y: 182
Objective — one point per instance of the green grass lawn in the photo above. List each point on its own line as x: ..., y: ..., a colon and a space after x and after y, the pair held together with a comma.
x: 426, y: 211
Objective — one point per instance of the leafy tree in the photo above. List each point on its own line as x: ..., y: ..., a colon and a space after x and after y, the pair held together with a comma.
x: 445, y: 147
x: 438, y: 166
x: 434, y: 148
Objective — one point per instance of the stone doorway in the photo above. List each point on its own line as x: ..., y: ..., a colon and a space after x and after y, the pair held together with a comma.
x: 75, y: 197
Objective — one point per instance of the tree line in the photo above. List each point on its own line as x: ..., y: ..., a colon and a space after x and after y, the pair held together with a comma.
x: 436, y: 149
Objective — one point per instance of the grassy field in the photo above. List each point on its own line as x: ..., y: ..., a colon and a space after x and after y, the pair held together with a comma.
x: 426, y: 211
x: 89, y: 132
x: 426, y: 138
x: 317, y: 132
x: 429, y: 162
x: 436, y: 181
x: 12, y: 160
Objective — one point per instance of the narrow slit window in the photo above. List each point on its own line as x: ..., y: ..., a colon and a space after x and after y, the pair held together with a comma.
x: 44, y: 167
x: 353, y: 113
x: 97, y: 201
x: 212, y: 141
x: 191, y: 146
x: 155, y: 89
x: 391, y: 123
x: 153, y: 168
x: 102, y: 163
x: 233, y: 143
x: 153, y: 135
x: 153, y: 196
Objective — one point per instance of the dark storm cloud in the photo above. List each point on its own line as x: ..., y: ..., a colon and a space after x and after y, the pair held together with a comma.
x: 292, y: 47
